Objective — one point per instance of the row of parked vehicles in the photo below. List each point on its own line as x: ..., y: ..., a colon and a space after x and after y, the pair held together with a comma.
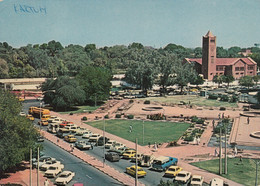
x: 53, y: 169
x: 116, y: 151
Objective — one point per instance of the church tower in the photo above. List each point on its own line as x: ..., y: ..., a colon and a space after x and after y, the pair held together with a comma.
x: 209, y: 56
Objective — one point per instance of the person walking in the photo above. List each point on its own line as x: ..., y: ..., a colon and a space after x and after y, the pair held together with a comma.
x: 248, y: 120
x: 130, y: 128
x: 46, y: 182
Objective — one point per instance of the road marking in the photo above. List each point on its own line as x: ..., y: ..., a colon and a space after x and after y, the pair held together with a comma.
x: 62, y: 159
x: 88, y: 176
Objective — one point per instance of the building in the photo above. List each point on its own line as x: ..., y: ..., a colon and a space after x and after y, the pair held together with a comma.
x: 209, y: 65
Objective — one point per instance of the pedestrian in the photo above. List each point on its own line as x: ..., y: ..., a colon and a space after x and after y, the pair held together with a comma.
x: 213, y: 123
x: 235, y: 151
x: 248, y: 120
x: 149, y: 144
x: 58, y: 140
x: 216, y: 152
x: 155, y: 146
x: 46, y: 182
x: 223, y: 115
x: 219, y: 116
x: 130, y: 128
x: 240, y: 159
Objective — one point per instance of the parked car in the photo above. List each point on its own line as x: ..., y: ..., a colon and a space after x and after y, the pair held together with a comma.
x: 70, y: 138
x: 110, y: 144
x: 53, y: 171
x: 40, y: 139
x: 132, y: 171
x: 139, y: 157
x: 100, y: 141
x: 129, y: 154
x: 65, y: 123
x: 196, y: 180
x: 30, y: 117
x: 64, y: 178
x: 42, y: 160
x: 163, y: 162
x: 94, y: 138
x: 112, y: 156
x: 146, y: 160
x: 53, y: 162
x: 81, y: 131
x: 118, y: 145
x: 216, y: 182
x: 183, y: 177
x: 172, y: 171
x: 83, y: 145
x: 87, y: 134
x: 43, y: 122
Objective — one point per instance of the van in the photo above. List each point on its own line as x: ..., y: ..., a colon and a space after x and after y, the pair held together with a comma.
x: 163, y: 162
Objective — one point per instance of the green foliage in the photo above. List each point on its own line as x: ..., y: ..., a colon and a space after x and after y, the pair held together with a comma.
x: 257, y: 96
x: 213, y: 96
x: 246, y: 81
x: 198, y: 80
x: 62, y: 93
x: 224, y: 98
x: 84, y: 118
x: 95, y: 81
x: 228, y: 79
x: 130, y: 116
x: 233, y: 99
x: 158, y: 116
x: 200, y: 121
x: 118, y: 115
x: 106, y: 116
x: 222, y: 108
x: 218, y: 79
x: 147, y: 102
x: 17, y: 133
x: 194, y: 119
x: 189, y: 138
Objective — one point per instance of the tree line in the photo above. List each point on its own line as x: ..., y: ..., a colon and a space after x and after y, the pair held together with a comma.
x: 52, y: 59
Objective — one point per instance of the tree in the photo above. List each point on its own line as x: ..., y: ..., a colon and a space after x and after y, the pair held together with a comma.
x: 184, y: 73
x: 3, y: 69
x: 136, y: 45
x: 90, y: 47
x: 256, y: 79
x: 17, y: 133
x: 95, y: 81
x: 53, y: 48
x: 218, y: 79
x: 257, y: 96
x: 228, y: 79
x: 198, y: 80
x: 246, y: 81
x: 62, y: 93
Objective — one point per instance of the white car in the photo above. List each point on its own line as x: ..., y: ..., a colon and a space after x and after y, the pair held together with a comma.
x: 94, y: 137
x: 48, y: 164
x: 64, y: 178
x: 80, y: 131
x: 53, y: 171
x: 42, y: 161
x: 196, y: 180
x: 183, y: 177
x: 118, y: 146
x: 83, y: 145
x: 87, y: 134
x: 22, y: 114
x: 110, y: 144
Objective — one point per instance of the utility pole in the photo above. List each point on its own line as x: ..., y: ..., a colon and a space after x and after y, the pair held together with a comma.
x: 38, y: 167
x: 136, y: 169
x: 256, y: 161
x: 226, y: 170
x: 143, y: 132
x: 30, y: 167
x: 220, y: 151
x: 104, y: 144
x: 40, y: 115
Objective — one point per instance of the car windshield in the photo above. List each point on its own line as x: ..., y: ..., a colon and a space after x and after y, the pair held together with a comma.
x: 52, y: 168
x: 64, y: 175
x: 171, y: 169
x: 181, y: 175
x: 157, y: 162
x: 195, y: 179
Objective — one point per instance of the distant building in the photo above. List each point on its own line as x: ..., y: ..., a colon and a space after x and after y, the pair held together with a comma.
x: 209, y: 65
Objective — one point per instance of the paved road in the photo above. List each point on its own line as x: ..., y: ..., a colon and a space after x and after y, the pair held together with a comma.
x: 84, y: 173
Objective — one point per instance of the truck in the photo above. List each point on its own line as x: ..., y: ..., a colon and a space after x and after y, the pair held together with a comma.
x: 163, y: 162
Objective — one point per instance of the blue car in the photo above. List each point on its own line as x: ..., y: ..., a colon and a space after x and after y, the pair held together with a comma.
x: 163, y: 162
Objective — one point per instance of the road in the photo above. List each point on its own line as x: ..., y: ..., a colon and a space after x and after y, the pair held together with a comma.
x: 152, y: 177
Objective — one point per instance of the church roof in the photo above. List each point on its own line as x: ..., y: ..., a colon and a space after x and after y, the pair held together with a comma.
x: 209, y: 34
x: 225, y: 61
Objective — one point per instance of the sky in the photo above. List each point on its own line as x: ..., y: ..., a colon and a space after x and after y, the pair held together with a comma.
x: 153, y: 23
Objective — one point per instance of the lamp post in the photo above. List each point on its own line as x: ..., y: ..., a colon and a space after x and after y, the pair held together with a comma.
x: 40, y: 115
x: 30, y: 167
x: 104, y: 144
x: 38, y: 167
x: 136, y: 169
x: 256, y: 161
x: 143, y: 132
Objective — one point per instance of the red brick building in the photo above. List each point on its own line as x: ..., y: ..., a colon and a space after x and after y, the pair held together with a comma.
x: 209, y: 65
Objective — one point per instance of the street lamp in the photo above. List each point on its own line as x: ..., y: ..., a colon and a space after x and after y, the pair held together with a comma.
x: 104, y: 128
x: 40, y: 115
x: 256, y: 161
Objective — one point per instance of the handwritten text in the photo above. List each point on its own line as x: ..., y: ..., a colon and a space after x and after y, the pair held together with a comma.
x: 18, y: 8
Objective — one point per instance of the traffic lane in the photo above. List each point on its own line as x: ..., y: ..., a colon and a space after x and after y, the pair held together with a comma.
x: 84, y: 172
x: 152, y: 177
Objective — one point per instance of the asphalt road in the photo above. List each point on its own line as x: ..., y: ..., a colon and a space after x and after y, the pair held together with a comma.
x: 76, y: 165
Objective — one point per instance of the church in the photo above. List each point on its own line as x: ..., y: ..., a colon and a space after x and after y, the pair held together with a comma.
x: 209, y: 65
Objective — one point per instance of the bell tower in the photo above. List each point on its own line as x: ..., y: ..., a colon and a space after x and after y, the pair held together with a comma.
x: 209, y: 56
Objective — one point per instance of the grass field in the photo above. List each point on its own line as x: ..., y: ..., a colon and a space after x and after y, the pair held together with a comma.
x: 195, y: 100
x: 240, y: 172
x: 154, y: 131
x: 81, y: 109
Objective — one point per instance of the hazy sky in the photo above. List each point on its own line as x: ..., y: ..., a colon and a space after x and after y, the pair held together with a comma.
x: 115, y: 22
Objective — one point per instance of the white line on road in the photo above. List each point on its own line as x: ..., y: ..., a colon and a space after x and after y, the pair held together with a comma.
x: 62, y: 159
x: 88, y: 176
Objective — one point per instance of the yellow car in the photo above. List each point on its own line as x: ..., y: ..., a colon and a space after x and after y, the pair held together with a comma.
x: 43, y: 123
x: 30, y: 117
x: 128, y: 154
x: 172, y: 171
x: 70, y: 138
x: 132, y: 171
x: 21, y: 99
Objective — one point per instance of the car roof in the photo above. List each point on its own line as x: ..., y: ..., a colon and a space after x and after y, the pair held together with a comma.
x: 162, y: 158
x: 196, y: 176
x: 65, y: 172
x: 183, y: 172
